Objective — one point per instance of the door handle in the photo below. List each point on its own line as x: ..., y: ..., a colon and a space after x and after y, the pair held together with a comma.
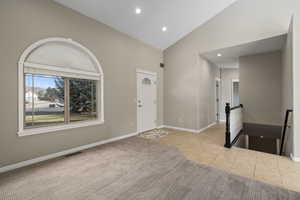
x: 140, y: 106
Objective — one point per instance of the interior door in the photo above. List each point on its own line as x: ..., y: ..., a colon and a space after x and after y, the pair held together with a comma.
x: 146, y: 101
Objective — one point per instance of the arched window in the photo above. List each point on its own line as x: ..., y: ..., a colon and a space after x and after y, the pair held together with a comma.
x: 60, y: 87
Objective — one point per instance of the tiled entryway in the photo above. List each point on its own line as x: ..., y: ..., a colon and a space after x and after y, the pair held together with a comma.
x: 207, y: 148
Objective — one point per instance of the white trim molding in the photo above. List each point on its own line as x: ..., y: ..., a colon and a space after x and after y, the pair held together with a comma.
x: 146, y: 72
x: 49, y: 129
x: 295, y: 159
x: 189, y: 130
x: 62, y: 153
x: 207, y: 127
x: 181, y: 129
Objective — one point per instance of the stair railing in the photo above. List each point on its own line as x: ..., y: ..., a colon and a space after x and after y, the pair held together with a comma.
x: 234, y: 124
x: 285, y: 126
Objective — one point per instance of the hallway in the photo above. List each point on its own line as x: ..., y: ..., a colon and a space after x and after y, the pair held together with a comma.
x: 207, y: 148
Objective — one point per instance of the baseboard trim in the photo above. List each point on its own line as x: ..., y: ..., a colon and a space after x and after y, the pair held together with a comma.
x: 295, y: 159
x: 62, y: 153
x: 162, y: 126
x: 181, y: 129
x: 205, y: 128
x: 189, y: 130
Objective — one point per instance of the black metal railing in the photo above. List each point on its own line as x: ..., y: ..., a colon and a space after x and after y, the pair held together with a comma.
x: 285, y: 126
x: 228, y: 142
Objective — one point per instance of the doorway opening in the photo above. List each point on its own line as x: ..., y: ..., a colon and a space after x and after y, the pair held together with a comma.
x: 235, y: 93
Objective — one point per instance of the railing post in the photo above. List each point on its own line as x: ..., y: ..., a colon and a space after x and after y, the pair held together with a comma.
x: 227, y: 133
x: 284, y: 130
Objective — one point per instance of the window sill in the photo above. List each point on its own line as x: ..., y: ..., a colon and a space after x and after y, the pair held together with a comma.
x: 36, y: 131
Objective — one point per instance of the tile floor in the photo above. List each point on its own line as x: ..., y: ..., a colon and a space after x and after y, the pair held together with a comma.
x: 207, y: 148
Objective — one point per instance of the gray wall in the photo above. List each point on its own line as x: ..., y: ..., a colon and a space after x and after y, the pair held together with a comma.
x: 27, y: 21
x: 227, y: 75
x: 287, y: 86
x: 260, y: 88
x: 235, y: 25
x: 206, y: 107
x: 296, y: 83
x: 195, y: 87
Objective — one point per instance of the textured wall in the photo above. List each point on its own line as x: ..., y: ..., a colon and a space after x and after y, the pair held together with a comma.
x: 206, y: 107
x: 193, y: 94
x: 260, y: 88
x: 27, y: 21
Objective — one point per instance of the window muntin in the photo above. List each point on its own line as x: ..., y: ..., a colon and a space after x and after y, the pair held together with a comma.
x: 28, y: 118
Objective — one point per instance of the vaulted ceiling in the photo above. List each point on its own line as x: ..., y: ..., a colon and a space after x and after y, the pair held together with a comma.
x: 180, y: 17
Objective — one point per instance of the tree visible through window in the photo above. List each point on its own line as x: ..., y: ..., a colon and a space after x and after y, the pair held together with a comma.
x: 54, y: 100
x: 82, y: 100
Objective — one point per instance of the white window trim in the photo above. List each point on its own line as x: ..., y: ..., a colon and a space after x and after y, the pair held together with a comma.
x: 146, y: 72
x: 55, y: 128
x: 22, y: 63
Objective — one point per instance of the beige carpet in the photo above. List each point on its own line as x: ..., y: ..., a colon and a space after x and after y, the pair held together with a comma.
x: 132, y: 169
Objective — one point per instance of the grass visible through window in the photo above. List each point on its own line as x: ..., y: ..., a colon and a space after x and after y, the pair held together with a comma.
x: 45, y: 100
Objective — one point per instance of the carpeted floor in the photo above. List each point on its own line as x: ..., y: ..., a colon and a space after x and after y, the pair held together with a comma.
x: 132, y: 169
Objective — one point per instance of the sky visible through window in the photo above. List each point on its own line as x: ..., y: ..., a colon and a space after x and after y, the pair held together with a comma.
x: 42, y: 81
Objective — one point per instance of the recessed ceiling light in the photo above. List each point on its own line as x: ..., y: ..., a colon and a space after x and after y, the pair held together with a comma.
x: 138, y: 11
x: 219, y: 55
x: 164, y: 29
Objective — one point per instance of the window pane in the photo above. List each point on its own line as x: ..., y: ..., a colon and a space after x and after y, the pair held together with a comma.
x: 47, y: 101
x: 28, y: 118
x: 82, y: 100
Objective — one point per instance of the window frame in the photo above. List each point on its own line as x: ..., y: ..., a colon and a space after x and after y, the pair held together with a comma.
x: 22, y: 131
x: 24, y: 108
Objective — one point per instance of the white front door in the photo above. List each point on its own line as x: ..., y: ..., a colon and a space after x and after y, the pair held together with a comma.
x: 146, y: 101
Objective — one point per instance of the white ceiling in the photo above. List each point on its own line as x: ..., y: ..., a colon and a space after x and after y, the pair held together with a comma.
x: 180, y: 16
x: 230, y: 55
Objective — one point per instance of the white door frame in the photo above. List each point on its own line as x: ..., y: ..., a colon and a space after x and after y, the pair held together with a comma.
x: 217, y: 103
x: 232, y: 88
x: 140, y: 71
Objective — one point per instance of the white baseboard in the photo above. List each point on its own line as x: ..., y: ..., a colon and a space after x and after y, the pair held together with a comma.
x: 205, y: 128
x: 295, y: 159
x: 189, y: 130
x: 162, y: 126
x: 181, y: 129
x: 62, y: 153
